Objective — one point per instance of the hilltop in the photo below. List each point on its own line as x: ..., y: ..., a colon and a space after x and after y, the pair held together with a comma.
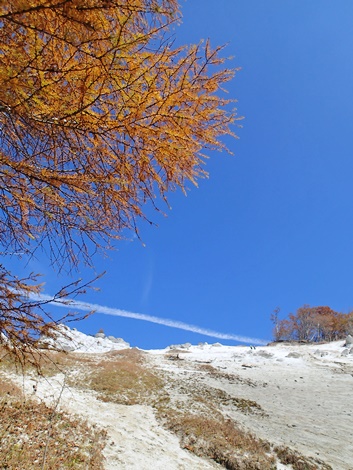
x: 208, y: 406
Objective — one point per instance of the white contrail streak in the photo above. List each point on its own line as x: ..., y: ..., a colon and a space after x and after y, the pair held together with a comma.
x: 88, y: 307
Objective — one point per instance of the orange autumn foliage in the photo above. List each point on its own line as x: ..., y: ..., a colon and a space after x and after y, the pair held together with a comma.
x: 99, y: 114
x: 313, y: 324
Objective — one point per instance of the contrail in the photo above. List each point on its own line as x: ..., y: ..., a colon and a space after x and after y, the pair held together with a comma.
x: 88, y: 307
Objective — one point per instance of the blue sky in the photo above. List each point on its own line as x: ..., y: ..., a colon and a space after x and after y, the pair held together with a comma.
x: 272, y: 226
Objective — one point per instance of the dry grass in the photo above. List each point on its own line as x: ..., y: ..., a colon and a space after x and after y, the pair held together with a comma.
x: 119, y: 376
x: 46, y: 363
x: 34, y: 436
x: 220, y: 440
x: 219, y: 396
x: 122, y: 377
x: 288, y: 456
x: 8, y: 388
x: 231, y: 378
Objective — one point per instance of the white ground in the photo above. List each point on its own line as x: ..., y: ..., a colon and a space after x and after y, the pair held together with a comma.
x: 135, y: 439
x: 307, y: 401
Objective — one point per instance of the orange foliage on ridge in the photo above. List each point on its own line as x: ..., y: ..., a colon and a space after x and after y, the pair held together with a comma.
x: 313, y: 324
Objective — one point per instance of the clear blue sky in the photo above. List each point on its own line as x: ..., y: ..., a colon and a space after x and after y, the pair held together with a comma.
x: 272, y: 226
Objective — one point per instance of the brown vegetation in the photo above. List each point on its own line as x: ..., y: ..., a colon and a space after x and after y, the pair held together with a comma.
x: 33, y: 436
x: 288, y: 456
x: 122, y: 377
x: 312, y: 324
x: 222, y: 441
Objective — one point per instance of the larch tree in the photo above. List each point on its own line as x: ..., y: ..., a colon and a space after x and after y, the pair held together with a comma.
x: 99, y: 114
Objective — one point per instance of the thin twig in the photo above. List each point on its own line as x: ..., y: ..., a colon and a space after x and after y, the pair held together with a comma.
x: 51, y: 424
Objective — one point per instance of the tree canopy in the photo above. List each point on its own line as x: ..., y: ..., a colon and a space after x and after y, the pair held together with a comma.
x: 312, y: 324
x: 99, y: 114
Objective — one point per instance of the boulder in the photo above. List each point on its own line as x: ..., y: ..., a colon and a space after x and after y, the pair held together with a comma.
x: 265, y: 354
x: 180, y: 346
x: 118, y: 341
x: 349, y: 341
x: 294, y: 355
x: 99, y: 335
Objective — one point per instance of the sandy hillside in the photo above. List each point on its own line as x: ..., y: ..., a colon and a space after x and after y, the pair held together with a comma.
x: 294, y: 396
x: 305, y: 392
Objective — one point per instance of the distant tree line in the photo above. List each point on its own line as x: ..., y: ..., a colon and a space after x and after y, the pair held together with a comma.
x: 312, y: 324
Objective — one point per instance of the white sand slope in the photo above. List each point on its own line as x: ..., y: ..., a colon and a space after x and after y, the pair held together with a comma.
x: 305, y: 392
x: 135, y: 439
